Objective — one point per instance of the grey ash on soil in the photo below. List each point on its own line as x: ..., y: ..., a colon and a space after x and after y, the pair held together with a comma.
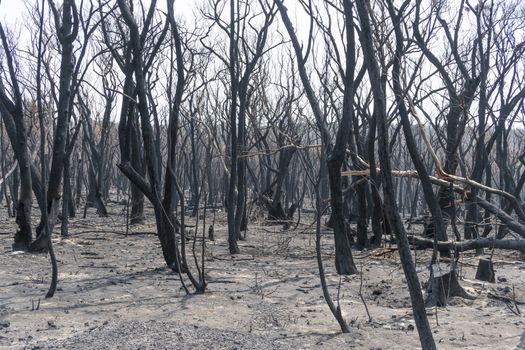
x: 164, y: 335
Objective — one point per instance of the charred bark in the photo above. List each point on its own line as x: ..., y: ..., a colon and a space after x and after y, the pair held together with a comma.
x: 14, y: 121
x: 418, y: 306
x: 343, y: 259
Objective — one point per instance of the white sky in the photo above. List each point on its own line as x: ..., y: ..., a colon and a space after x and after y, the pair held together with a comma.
x: 12, y: 12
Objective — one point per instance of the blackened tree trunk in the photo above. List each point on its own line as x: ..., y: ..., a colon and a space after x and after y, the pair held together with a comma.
x: 67, y: 32
x: 375, y: 202
x: 136, y: 154
x: 13, y: 116
x: 337, y: 155
x: 399, y: 91
x: 5, y: 173
x: 150, y: 187
x: 343, y: 252
x: 94, y: 168
x: 66, y: 191
x: 136, y: 62
x: 196, y: 189
x: 129, y: 133
x: 276, y: 208
x: 231, y: 200
x: 64, y: 227
x: 460, y: 102
x: 418, y: 305
x: 236, y: 200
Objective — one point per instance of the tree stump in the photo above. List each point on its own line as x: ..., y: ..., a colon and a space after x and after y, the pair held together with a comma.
x: 211, y: 235
x: 485, y: 271
x: 444, y: 284
x: 428, y: 227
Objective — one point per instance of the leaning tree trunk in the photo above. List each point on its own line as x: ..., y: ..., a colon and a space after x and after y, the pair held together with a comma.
x: 416, y: 296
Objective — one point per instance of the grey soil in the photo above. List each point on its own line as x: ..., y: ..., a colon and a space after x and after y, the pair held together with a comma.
x: 115, y: 293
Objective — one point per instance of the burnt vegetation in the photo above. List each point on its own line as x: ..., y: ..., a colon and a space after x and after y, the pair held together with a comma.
x: 376, y: 125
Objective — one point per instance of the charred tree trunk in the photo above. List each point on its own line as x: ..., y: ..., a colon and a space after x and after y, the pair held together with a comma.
x: 445, y: 285
x: 418, y: 305
x: 231, y: 199
x: 67, y: 33
x: 95, y: 161
x: 343, y: 257
x: 13, y: 116
x: 130, y: 140
x: 273, y: 197
x: 456, y: 117
x: 66, y: 190
x: 137, y: 161
x: 64, y: 228
x: 237, y: 217
x: 151, y: 187
x: 432, y: 202
x: 5, y: 174
x: 375, y: 202
x: 196, y: 191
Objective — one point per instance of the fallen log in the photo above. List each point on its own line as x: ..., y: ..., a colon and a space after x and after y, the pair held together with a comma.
x: 462, y: 246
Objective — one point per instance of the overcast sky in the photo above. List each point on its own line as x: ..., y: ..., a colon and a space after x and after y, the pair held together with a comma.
x: 13, y: 11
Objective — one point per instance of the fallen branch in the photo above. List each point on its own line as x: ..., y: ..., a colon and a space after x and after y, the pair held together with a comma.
x: 504, y: 298
x: 442, y: 175
x: 8, y: 173
x: 468, y: 245
x: 453, y: 178
x: 277, y: 150
x: 508, y: 220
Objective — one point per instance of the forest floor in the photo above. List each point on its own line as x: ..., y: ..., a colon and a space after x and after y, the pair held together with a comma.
x: 115, y: 292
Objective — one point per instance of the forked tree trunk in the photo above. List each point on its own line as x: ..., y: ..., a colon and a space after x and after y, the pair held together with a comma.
x: 151, y: 187
x: 67, y: 34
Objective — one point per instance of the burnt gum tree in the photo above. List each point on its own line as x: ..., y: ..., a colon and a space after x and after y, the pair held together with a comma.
x: 335, y: 155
